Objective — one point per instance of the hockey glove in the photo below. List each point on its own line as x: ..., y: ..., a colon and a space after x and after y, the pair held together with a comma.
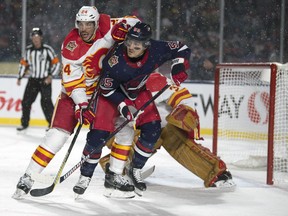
x: 124, y: 109
x: 178, y: 73
x: 119, y: 31
x: 85, y: 116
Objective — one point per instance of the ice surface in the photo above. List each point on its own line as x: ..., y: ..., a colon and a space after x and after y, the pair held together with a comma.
x: 172, y: 190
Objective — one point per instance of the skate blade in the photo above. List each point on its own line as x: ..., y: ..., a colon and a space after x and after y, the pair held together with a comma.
x: 228, y: 186
x: 19, y: 194
x: 114, y: 193
x: 78, y: 197
x: 225, y: 184
x: 139, y: 192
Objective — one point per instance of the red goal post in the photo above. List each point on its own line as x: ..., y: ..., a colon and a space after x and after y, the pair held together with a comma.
x: 250, y: 125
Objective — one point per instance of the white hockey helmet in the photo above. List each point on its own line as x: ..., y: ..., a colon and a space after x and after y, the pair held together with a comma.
x: 88, y: 14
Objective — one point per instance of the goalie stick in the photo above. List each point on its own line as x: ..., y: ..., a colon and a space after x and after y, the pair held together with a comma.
x: 47, y: 190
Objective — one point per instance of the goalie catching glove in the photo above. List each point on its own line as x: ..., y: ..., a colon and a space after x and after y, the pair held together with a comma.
x: 85, y: 116
x: 178, y: 73
x: 119, y: 31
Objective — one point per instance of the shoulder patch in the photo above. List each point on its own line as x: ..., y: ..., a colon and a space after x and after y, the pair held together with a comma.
x: 113, y: 60
x: 173, y: 45
x: 71, y: 45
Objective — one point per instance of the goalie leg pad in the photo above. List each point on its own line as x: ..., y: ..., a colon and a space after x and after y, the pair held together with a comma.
x: 103, y: 161
x: 196, y: 158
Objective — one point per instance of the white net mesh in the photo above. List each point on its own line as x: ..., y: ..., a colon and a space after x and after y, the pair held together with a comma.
x: 281, y: 125
x: 243, y: 116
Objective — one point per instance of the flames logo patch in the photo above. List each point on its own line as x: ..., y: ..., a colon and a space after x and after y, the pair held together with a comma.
x: 71, y: 46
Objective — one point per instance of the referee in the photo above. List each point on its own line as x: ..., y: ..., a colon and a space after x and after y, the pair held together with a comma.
x: 42, y: 64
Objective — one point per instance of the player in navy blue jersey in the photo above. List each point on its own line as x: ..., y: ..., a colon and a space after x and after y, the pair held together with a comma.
x: 125, y: 71
x: 131, y: 63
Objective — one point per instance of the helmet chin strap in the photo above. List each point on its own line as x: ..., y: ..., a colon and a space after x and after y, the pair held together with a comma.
x: 94, y: 34
x: 91, y: 39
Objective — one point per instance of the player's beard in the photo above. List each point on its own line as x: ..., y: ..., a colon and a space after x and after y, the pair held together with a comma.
x: 86, y: 36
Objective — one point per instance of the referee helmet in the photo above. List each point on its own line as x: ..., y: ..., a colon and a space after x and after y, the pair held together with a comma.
x: 36, y: 31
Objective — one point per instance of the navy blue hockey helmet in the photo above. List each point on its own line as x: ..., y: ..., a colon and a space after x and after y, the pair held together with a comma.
x: 140, y: 32
x: 36, y: 31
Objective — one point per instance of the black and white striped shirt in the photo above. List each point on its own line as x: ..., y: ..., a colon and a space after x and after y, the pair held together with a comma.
x: 39, y: 62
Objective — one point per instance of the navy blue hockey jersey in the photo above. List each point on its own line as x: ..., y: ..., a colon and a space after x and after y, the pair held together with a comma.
x: 123, y: 76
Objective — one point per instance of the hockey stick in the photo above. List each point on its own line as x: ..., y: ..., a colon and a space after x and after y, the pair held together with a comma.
x: 49, y: 179
x: 65, y: 176
x: 44, y: 191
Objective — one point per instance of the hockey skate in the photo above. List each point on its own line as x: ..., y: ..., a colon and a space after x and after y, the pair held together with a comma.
x: 136, y: 177
x: 117, y: 186
x: 224, y: 180
x: 81, y: 185
x: 23, y: 187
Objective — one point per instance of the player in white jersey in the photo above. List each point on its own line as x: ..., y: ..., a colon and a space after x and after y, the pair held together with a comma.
x: 82, y: 52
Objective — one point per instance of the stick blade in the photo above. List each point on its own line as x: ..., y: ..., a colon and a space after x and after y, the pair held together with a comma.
x: 148, y: 172
x: 42, y: 191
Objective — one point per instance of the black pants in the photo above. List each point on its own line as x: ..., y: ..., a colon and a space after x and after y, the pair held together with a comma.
x: 34, y: 86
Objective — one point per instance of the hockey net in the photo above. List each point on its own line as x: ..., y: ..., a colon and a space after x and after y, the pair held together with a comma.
x: 250, y: 127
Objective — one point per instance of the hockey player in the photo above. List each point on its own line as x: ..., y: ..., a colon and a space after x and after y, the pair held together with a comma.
x: 82, y: 52
x: 181, y: 132
x: 180, y: 135
x: 126, y: 70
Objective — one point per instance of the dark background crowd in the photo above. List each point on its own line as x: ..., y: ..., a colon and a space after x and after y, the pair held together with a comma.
x: 251, y: 27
